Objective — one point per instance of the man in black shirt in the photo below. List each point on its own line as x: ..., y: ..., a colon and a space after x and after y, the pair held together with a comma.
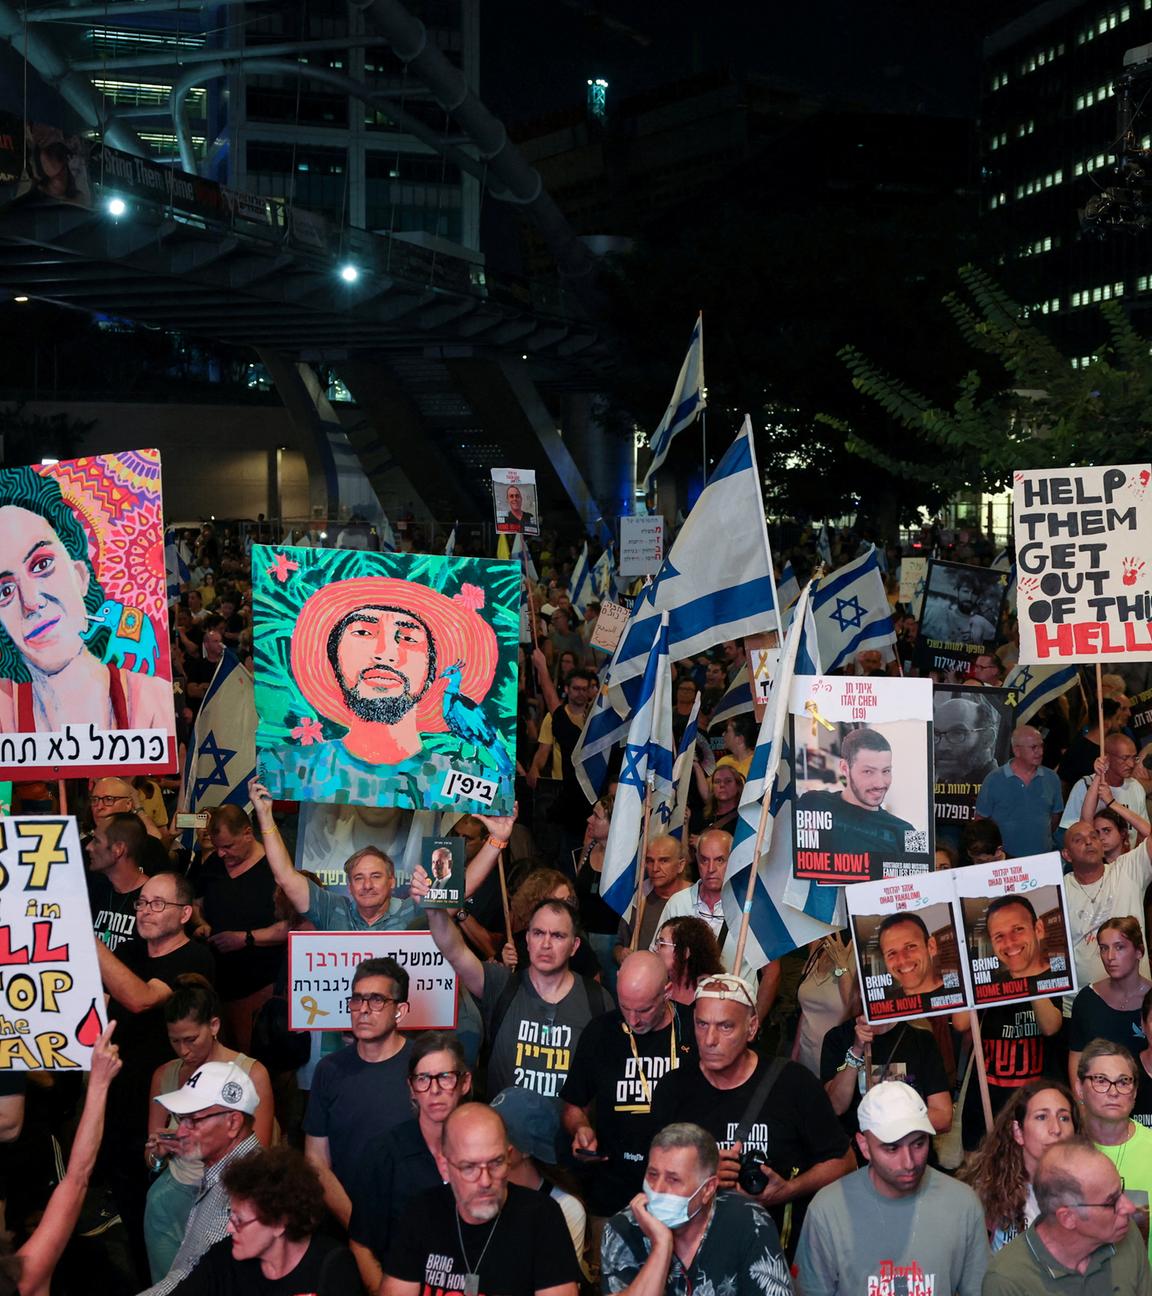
x: 115, y: 876
x: 749, y: 1103
x: 480, y: 1235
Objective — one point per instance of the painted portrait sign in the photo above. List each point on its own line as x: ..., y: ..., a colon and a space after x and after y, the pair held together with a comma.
x: 514, y: 499
x: 971, y: 735
x: 85, y: 671
x: 386, y: 679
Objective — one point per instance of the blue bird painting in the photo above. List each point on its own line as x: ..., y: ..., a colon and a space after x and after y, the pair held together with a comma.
x: 466, y: 720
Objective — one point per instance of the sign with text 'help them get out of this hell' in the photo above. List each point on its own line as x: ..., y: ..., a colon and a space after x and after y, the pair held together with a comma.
x: 1084, y: 563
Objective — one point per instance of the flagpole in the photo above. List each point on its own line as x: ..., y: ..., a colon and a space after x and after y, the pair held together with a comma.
x: 757, y: 851
x: 504, y: 898
x: 704, y: 445
x: 528, y: 590
x: 640, y: 897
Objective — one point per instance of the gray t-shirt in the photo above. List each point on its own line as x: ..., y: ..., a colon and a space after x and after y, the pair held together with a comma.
x: 331, y: 912
x: 535, y: 1041
x: 855, y: 1240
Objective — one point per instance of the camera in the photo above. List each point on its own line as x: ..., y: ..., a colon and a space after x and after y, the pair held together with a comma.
x: 752, y: 1177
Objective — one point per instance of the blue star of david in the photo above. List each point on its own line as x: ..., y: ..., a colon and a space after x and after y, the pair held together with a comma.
x: 849, y: 614
x: 1022, y: 678
x: 218, y: 776
x: 630, y: 774
x: 663, y: 812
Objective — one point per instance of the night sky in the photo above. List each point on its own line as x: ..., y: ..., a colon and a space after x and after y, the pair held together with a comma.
x: 907, y: 55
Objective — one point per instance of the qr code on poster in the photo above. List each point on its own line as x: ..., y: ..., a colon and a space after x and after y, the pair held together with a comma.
x: 915, y: 841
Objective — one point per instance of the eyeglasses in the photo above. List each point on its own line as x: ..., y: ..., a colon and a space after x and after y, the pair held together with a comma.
x: 373, y: 1002
x: 470, y: 1171
x: 956, y: 735
x: 422, y: 1081
x: 197, y: 1121
x: 108, y: 800
x: 1102, y: 1084
x: 238, y: 1223
x: 666, y: 944
x: 1111, y: 1204
x: 156, y: 904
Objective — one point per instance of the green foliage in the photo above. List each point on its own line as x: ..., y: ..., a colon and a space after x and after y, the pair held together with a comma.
x: 1041, y: 412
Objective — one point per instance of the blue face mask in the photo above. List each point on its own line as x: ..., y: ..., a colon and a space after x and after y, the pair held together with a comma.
x: 670, y: 1209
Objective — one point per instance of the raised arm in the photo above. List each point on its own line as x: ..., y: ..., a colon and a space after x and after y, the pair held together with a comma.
x: 126, y: 987
x: 448, y: 939
x: 293, y: 884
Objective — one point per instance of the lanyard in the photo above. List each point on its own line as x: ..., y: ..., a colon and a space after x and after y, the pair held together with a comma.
x: 636, y: 1054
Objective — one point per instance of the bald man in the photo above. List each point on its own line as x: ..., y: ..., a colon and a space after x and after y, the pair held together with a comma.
x: 1111, y: 786
x: 443, y: 1241
x: 618, y: 1063
x: 664, y: 866
x: 1023, y: 797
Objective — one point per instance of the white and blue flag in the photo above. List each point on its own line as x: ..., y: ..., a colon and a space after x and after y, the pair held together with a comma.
x: 647, y: 770
x: 687, y: 401
x: 604, y: 577
x: 581, y: 586
x: 450, y: 543
x: 175, y: 568
x: 783, y: 917
x: 736, y: 700
x: 1032, y: 686
x: 682, y: 770
x: 823, y: 548
x: 520, y: 550
x: 788, y: 592
x: 715, y: 584
x: 851, y: 611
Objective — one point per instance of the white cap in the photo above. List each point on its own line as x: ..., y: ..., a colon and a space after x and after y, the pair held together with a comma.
x: 723, y: 985
x: 891, y: 1110
x: 216, y: 1084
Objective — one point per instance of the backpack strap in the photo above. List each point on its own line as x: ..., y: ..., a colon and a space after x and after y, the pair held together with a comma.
x: 759, y: 1099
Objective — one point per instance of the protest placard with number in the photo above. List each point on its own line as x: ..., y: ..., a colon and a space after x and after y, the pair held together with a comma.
x: 1084, y: 563
x: 609, y: 626
x: 321, y: 966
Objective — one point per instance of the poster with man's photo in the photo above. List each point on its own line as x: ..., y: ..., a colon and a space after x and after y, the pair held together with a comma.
x: 971, y: 736
x: 1016, y: 932
x: 960, y: 617
x: 514, y: 499
x: 908, y: 947
x: 862, y: 770
x: 444, y: 862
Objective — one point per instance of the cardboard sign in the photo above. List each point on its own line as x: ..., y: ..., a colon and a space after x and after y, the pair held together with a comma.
x: 609, y: 626
x: 861, y: 752
x: 378, y: 675
x: 763, y: 655
x: 514, y: 500
x: 960, y: 617
x: 641, y: 546
x: 51, y: 1001
x: 1017, y: 934
x: 1083, y: 555
x: 908, y: 947
x: 321, y: 966
x: 444, y: 861
x: 913, y: 580
x: 86, y: 674
x: 971, y: 736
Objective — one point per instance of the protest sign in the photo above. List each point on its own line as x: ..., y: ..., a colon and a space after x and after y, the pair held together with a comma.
x: 1140, y: 721
x: 85, y: 668
x: 908, y: 947
x: 861, y: 753
x: 763, y: 656
x: 1017, y: 940
x: 514, y: 500
x: 321, y: 966
x: 444, y: 862
x: 609, y: 626
x: 1083, y: 548
x: 327, y: 835
x: 386, y: 679
x: 960, y: 617
x: 971, y: 736
x: 641, y: 546
x: 913, y: 581
x: 51, y: 999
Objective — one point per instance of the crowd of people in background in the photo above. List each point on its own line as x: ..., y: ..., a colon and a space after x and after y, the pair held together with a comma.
x: 617, y: 1109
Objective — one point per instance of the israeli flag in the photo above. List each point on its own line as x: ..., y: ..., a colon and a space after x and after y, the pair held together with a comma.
x: 222, y: 754
x: 687, y: 401
x: 604, y: 577
x: 520, y: 550
x: 682, y: 770
x: 647, y: 769
x: 823, y: 548
x: 1031, y: 686
x: 851, y: 611
x: 716, y: 584
x: 775, y: 926
x: 788, y: 591
x: 581, y: 588
x: 737, y: 699
x: 450, y: 543
x: 175, y: 568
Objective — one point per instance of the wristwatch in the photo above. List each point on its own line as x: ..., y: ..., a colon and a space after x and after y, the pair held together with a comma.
x: 249, y: 940
x: 851, y: 1060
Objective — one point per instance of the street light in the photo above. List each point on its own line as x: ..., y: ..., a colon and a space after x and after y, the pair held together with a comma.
x: 349, y: 273
x: 116, y: 207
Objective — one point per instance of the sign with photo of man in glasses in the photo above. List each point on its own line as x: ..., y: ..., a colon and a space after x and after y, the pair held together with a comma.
x: 971, y: 736
x: 320, y: 968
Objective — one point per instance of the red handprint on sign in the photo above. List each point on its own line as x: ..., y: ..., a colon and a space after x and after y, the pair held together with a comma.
x: 1132, y: 569
x: 1029, y: 585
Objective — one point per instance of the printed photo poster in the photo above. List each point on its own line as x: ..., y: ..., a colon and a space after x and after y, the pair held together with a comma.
x: 1084, y: 563
x: 960, y: 617
x: 85, y: 671
x: 908, y: 947
x: 328, y: 835
x: 444, y: 862
x: 971, y: 736
x: 913, y: 581
x: 53, y: 1009
x: 514, y: 499
x: 861, y: 752
x: 1016, y: 931
x: 386, y: 679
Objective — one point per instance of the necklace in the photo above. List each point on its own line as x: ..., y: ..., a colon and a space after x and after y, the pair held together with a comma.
x: 472, y: 1276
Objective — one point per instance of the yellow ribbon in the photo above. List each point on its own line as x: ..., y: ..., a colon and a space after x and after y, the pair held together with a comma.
x: 814, y: 711
x: 312, y: 1008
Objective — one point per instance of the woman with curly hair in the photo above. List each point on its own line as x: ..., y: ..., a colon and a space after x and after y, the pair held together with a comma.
x: 1039, y: 1114
x: 277, y: 1204
x: 689, y: 951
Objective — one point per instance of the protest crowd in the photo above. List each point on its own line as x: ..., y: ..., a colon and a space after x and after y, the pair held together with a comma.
x: 635, y: 1092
